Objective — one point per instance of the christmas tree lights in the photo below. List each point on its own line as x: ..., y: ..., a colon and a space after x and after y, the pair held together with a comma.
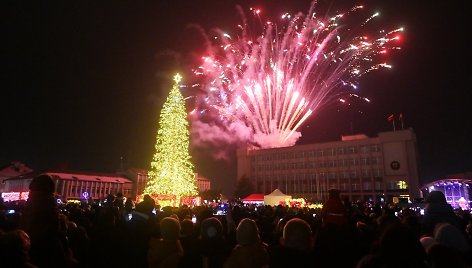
x: 171, y: 176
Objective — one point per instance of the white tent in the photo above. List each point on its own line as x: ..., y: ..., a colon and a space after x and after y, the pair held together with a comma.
x: 274, y: 198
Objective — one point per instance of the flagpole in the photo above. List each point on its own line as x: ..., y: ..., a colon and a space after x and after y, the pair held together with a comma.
x: 401, y: 120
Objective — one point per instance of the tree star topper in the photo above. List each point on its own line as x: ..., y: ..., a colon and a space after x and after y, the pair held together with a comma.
x: 177, y: 78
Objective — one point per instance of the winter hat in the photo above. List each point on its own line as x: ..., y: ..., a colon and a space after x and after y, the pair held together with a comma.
x: 436, y: 197
x: 449, y: 235
x: 43, y: 184
x: 297, y: 235
x: 187, y: 227
x: 211, y: 228
x: 170, y: 228
x: 247, y: 232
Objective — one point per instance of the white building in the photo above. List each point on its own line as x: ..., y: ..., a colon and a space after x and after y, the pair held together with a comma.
x: 74, y: 185
x: 361, y: 167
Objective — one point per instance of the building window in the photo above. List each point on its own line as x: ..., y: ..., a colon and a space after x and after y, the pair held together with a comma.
x: 364, y: 161
x: 367, y: 186
x: 320, y: 153
x: 345, y: 175
x: 402, y: 185
x: 332, y: 163
x: 375, y: 148
x: 355, y: 186
x: 330, y: 151
x: 353, y: 162
x: 364, y: 149
x: 392, y: 185
x: 365, y: 173
x: 375, y: 161
x: 354, y: 174
x: 378, y: 185
x: 340, y: 151
x: 344, y: 185
x: 311, y: 154
x: 352, y: 150
x: 377, y: 173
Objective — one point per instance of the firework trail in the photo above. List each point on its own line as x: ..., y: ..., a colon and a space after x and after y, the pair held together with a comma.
x: 272, y: 83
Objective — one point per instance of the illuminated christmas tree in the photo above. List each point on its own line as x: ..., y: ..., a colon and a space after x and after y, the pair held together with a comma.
x: 171, y: 176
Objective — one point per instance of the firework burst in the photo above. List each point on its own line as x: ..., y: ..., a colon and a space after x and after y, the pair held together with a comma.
x: 272, y: 83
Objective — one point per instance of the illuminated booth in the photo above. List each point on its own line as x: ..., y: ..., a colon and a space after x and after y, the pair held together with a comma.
x: 457, y: 191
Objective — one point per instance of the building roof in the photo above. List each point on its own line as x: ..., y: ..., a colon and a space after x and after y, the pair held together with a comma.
x: 14, y: 169
x: 447, y: 181
x: 277, y: 192
x: 89, y: 177
x: 78, y: 176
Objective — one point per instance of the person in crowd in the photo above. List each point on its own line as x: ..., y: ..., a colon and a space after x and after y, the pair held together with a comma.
x: 398, y: 247
x: 14, y: 250
x: 250, y: 252
x: 166, y: 252
x: 449, y: 235
x: 296, y: 246
x: 334, y: 211
x: 442, y: 256
x: 40, y: 220
x: 189, y: 241
x: 437, y: 210
x: 214, y: 248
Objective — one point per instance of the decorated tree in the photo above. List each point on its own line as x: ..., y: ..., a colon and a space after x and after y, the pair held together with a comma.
x: 171, y: 176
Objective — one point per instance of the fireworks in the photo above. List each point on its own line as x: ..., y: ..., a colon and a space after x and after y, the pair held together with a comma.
x: 272, y: 83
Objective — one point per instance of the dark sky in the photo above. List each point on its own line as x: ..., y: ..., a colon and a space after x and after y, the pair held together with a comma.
x: 85, y: 80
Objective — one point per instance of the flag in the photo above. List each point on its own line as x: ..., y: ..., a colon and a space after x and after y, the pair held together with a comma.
x: 390, y: 117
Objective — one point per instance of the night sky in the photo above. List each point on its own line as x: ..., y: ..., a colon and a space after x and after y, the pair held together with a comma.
x: 84, y: 81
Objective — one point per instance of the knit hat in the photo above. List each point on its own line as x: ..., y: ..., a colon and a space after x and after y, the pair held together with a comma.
x: 333, y: 193
x: 211, y: 228
x: 449, y: 235
x: 42, y: 183
x: 187, y: 227
x: 297, y: 234
x: 247, y: 232
x: 435, y: 197
x: 170, y: 228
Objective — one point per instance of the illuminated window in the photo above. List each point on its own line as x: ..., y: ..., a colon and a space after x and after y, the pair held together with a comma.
x: 402, y: 185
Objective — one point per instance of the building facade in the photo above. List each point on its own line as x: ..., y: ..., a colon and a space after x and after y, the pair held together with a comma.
x: 139, y: 178
x: 363, y: 168
x: 203, y: 184
x: 76, y: 185
x: 72, y: 185
x: 13, y: 169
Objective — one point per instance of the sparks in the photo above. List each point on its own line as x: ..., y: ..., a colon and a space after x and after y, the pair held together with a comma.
x: 272, y: 83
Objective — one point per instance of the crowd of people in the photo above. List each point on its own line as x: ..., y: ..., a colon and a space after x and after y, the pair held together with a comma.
x: 118, y: 233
